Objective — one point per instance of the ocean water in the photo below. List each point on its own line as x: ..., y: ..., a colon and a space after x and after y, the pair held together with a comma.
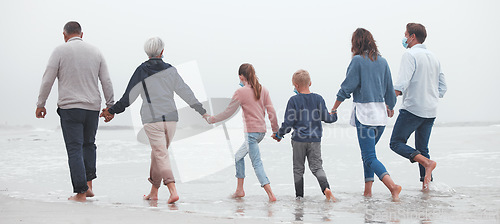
x: 466, y: 187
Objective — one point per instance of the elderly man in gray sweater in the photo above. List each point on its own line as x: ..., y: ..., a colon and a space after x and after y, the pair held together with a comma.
x: 79, y: 67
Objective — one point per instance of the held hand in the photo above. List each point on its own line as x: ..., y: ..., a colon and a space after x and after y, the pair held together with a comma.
x: 334, y: 111
x: 335, y: 115
x: 107, y: 116
x: 207, y: 118
x: 398, y: 93
x: 390, y: 113
x: 276, y: 137
x: 40, y: 112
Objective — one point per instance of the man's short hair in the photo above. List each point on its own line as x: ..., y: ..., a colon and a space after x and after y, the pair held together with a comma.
x: 417, y: 29
x: 153, y: 47
x: 301, y: 77
x: 72, y: 27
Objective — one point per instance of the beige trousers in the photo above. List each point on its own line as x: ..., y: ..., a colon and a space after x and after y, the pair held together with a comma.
x: 160, y: 135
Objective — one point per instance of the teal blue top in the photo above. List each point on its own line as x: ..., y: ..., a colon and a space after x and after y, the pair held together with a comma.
x: 368, y: 81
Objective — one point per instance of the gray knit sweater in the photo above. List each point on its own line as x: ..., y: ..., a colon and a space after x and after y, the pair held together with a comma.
x: 78, y: 66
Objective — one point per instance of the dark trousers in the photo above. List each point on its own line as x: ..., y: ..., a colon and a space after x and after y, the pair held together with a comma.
x: 79, y: 128
x: 311, y: 151
x: 407, y: 124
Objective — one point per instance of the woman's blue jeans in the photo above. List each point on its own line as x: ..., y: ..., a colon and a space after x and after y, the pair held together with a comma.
x: 405, y: 125
x: 368, y: 137
x: 251, y: 146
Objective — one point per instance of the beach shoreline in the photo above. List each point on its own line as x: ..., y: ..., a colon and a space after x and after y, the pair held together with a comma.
x: 15, y: 210
x: 34, y: 181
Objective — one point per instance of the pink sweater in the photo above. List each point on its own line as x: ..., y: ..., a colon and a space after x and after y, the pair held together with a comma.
x: 254, y: 111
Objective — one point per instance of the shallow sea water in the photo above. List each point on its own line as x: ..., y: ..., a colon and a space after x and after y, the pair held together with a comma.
x: 466, y: 189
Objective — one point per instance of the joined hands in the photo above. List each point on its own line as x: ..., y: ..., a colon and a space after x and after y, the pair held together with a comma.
x: 107, y: 116
x: 276, y: 137
x: 208, y: 118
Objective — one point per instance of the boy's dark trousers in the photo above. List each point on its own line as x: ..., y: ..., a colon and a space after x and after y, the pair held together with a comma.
x: 311, y: 150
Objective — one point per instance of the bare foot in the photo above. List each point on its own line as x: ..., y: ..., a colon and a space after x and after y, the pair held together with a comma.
x: 269, y: 192
x: 395, y: 193
x: 173, y: 199
x: 239, y: 194
x: 150, y: 197
x: 89, y: 193
x: 78, y: 197
x: 153, y: 194
x: 329, y: 195
x: 272, y: 198
x: 428, y: 174
x: 368, y: 189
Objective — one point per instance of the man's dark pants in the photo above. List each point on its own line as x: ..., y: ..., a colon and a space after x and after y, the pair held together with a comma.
x: 79, y: 128
x: 407, y: 124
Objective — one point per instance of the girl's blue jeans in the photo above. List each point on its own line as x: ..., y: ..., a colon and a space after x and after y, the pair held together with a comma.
x: 251, y: 146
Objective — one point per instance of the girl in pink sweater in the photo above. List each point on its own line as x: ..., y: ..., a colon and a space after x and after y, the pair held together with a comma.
x: 254, y: 101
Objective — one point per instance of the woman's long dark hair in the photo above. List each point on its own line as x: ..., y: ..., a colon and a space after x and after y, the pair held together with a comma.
x: 363, y: 44
x: 247, y: 71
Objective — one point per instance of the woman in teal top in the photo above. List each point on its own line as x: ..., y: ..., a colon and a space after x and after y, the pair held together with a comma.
x: 369, y: 80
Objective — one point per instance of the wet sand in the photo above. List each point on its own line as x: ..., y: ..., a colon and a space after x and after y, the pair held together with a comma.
x: 14, y: 210
x: 35, y: 183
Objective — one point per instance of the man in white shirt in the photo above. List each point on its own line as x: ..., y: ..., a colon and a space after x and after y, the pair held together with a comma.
x: 78, y: 67
x: 422, y: 83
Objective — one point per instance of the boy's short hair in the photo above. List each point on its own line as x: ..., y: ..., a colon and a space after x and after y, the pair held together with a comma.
x: 301, y: 78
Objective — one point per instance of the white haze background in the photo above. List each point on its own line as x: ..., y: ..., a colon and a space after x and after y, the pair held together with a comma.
x: 277, y: 37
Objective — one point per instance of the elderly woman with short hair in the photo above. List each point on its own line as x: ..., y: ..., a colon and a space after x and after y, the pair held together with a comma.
x: 156, y: 82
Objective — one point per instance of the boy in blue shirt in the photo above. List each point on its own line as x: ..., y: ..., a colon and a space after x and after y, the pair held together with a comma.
x: 304, y: 114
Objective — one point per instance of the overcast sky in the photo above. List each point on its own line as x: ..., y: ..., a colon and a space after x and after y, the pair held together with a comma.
x: 277, y: 37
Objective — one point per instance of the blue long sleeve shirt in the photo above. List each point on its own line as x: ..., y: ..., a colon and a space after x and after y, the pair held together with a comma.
x: 368, y: 81
x: 304, y: 114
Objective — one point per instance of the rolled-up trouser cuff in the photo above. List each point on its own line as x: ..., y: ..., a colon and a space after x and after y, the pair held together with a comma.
x: 383, y: 175
x: 157, y: 184
x: 91, y: 177
x: 412, y: 155
x: 82, y: 191
x: 371, y: 179
x: 168, y: 182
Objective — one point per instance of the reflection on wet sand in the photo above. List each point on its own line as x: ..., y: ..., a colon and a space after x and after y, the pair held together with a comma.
x: 240, y: 207
x: 154, y: 204
x: 299, y: 210
x: 324, y: 209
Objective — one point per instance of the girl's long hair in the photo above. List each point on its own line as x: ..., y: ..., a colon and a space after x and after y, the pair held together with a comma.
x: 363, y: 44
x: 247, y: 71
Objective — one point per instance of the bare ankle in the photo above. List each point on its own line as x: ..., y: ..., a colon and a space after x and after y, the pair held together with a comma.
x: 80, y: 197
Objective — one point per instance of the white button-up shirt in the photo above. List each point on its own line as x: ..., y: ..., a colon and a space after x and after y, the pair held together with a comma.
x: 421, y: 81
